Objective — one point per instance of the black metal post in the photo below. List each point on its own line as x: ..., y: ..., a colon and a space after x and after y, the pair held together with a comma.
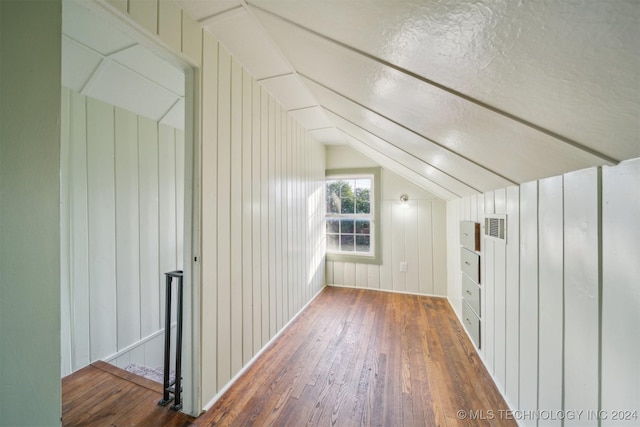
x: 177, y: 404
x: 167, y: 341
x: 177, y: 383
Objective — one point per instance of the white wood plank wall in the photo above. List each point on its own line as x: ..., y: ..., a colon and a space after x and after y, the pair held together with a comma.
x: 488, y: 288
x: 550, y: 296
x: 526, y: 396
x: 512, y: 298
x: 563, y: 333
x: 262, y: 218
x: 582, y: 196
x: 620, y: 340
x: 414, y: 233
x: 262, y: 211
x: 123, y: 191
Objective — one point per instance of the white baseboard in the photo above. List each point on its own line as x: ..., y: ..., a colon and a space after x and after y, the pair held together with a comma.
x: 389, y: 291
x: 135, y: 345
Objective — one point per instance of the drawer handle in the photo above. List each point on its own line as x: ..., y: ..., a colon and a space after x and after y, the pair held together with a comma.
x: 467, y: 262
x: 468, y: 321
x: 466, y: 235
x: 469, y: 293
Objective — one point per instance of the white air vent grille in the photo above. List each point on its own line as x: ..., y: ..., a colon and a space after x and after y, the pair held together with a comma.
x: 495, y: 227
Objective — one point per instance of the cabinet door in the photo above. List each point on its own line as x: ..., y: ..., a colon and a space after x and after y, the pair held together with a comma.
x: 470, y: 235
x: 471, y: 323
x: 470, y: 264
x: 471, y: 294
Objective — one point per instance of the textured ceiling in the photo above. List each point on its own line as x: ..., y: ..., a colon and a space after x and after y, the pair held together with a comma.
x: 463, y: 96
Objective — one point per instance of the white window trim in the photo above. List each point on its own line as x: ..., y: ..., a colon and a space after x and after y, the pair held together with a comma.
x: 374, y: 256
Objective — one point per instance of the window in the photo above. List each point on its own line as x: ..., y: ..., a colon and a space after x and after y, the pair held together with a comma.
x: 351, y: 215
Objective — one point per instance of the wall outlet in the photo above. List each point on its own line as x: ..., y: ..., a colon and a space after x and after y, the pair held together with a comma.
x: 403, y: 267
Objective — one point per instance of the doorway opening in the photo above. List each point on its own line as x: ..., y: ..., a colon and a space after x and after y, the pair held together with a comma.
x: 127, y: 176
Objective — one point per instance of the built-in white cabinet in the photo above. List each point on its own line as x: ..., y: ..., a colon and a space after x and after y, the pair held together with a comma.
x: 470, y: 266
x: 471, y: 293
x: 470, y: 235
x: 471, y: 323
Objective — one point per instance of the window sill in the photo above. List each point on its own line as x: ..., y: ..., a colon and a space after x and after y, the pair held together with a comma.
x: 356, y: 259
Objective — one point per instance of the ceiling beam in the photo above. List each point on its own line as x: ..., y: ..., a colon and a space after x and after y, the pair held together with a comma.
x: 444, y: 147
x: 399, y: 168
x: 228, y: 12
x: 422, y: 161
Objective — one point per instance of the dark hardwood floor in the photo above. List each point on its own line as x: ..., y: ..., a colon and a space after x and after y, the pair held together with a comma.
x: 104, y: 395
x: 352, y: 358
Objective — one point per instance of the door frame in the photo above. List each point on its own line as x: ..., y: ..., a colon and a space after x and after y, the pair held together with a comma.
x: 191, y: 357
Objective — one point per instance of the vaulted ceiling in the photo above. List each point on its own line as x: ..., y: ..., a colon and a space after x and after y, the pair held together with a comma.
x: 458, y: 96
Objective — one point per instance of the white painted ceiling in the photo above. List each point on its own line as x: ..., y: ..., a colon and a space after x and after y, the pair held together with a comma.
x: 462, y: 96
x: 100, y: 62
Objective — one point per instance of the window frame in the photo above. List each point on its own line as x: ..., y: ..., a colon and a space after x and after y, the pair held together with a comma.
x: 354, y: 257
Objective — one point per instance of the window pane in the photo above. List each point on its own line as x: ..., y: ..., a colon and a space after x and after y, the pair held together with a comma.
x: 352, y: 186
x: 362, y: 195
x: 362, y: 227
x: 346, y: 226
x: 346, y: 243
x: 344, y: 188
x: 363, y: 183
x: 333, y: 242
x: 333, y: 198
x: 346, y: 205
x: 362, y: 244
x: 333, y: 225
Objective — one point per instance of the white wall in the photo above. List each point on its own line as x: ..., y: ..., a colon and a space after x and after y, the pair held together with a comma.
x: 414, y: 233
x: 122, y: 193
x: 563, y: 333
x: 261, y: 213
x: 263, y: 241
x: 620, y: 341
x: 29, y: 213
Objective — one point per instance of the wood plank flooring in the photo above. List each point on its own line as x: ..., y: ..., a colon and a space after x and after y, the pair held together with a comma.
x: 103, y: 395
x: 352, y: 358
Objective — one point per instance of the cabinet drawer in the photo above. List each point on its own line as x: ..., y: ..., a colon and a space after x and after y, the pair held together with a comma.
x: 471, y: 323
x: 470, y: 235
x: 471, y: 294
x: 470, y: 264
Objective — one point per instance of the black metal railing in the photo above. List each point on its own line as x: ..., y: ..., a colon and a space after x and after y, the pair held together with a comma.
x: 172, y: 387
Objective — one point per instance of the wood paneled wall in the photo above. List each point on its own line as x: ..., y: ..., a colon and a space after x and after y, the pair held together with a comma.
x: 413, y: 233
x: 560, y: 300
x: 263, y: 240
x: 261, y: 201
x: 122, y: 193
x: 620, y: 339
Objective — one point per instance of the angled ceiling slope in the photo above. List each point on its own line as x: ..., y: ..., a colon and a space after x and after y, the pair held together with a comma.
x: 103, y: 63
x: 461, y: 97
